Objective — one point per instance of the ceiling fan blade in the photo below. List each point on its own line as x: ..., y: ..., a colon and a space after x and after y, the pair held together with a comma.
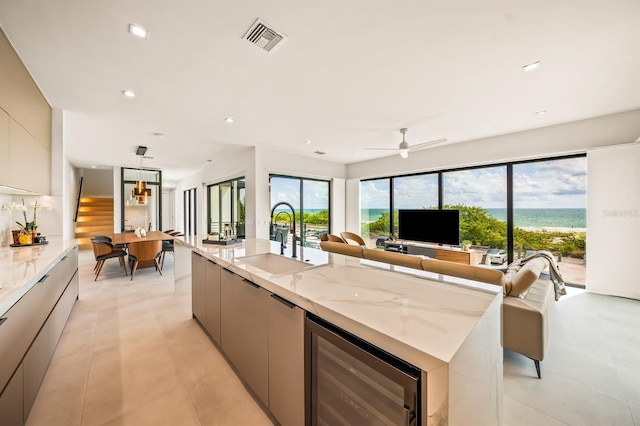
x: 427, y: 144
x: 383, y: 149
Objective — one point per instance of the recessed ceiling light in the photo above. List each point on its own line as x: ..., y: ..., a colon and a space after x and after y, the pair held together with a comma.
x: 93, y: 167
x: 531, y: 67
x: 129, y: 93
x: 229, y: 120
x: 307, y: 142
x: 138, y: 31
x: 158, y: 135
x: 543, y: 112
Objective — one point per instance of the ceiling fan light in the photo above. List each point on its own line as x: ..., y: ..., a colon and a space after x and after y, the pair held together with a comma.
x: 404, y: 153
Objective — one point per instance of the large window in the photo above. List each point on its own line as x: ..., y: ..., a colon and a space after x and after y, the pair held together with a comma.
x: 375, y: 210
x: 480, y: 194
x: 190, y: 212
x: 226, y: 207
x: 549, y: 212
x: 310, y: 201
x: 414, y: 192
x: 512, y: 208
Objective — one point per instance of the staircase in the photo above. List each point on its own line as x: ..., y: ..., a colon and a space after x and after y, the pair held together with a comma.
x: 95, y: 217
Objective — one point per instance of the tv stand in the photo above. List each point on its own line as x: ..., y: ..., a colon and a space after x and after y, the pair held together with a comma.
x: 433, y: 251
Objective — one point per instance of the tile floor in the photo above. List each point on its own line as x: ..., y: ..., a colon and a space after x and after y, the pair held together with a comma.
x: 132, y: 355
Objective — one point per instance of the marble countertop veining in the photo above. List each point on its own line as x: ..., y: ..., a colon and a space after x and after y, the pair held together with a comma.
x: 22, y: 267
x: 419, y: 316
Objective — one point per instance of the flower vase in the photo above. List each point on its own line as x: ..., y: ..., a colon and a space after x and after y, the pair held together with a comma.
x: 25, y: 238
x: 16, y: 235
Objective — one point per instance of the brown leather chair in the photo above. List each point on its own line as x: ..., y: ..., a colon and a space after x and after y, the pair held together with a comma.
x: 144, y: 251
x: 331, y: 237
x: 350, y: 236
x: 103, y: 250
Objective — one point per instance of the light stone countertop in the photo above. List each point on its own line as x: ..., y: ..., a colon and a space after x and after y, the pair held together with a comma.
x: 22, y: 267
x: 420, y: 317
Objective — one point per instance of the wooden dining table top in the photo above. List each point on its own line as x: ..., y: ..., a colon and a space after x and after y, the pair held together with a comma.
x: 130, y: 237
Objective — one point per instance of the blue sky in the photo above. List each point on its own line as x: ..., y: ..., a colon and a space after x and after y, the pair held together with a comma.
x: 544, y: 184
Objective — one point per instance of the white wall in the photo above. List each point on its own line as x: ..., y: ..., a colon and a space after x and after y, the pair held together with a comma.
x: 256, y: 164
x: 97, y: 183
x: 613, y: 220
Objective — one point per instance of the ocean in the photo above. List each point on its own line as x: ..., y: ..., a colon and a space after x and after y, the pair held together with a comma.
x: 524, y: 218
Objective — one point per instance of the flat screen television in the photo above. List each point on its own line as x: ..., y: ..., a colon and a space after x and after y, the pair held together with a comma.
x: 430, y: 226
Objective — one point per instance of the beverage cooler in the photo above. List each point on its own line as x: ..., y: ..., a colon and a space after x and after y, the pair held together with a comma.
x: 351, y: 382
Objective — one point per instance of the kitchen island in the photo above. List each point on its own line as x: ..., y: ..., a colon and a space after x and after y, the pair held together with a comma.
x: 446, y: 327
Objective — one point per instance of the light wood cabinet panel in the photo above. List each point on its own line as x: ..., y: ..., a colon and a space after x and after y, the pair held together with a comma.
x: 11, y: 408
x: 30, y: 162
x: 20, y: 97
x: 212, y: 300
x: 197, y: 287
x: 286, y: 361
x: 463, y: 257
x: 4, y: 148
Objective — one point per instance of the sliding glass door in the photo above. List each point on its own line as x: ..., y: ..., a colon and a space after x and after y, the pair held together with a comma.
x: 226, y: 211
x: 310, y: 201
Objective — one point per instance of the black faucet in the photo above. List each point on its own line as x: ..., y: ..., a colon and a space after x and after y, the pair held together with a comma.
x: 293, y: 219
x: 281, y: 241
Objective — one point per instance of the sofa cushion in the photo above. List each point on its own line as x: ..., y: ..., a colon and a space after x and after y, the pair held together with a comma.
x: 476, y: 273
x: 518, y: 278
x: 392, y: 258
x: 341, y: 248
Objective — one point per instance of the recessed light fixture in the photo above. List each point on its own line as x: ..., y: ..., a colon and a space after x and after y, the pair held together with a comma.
x: 531, y: 67
x: 93, y: 167
x: 543, y: 112
x: 229, y: 120
x: 138, y: 31
x: 308, y: 142
x: 129, y: 93
x: 158, y: 135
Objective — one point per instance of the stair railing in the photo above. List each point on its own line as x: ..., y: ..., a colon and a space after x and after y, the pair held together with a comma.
x: 75, y: 218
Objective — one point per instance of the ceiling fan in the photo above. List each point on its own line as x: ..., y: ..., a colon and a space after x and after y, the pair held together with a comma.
x: 404, y: 146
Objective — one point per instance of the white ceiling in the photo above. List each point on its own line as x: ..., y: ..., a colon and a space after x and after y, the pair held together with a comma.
x: 349, y: 76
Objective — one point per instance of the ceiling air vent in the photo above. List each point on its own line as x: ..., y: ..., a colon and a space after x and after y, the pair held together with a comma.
x: 264, y: 36
x: 319, y: 152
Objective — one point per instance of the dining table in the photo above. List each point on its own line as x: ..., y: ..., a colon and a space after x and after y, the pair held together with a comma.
x: 130, y: 237
x: 127, y: 238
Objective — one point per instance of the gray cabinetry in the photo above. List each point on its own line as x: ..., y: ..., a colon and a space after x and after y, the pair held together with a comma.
x: 198, y: 279
x: 230, y: 315
x: 11, y: 410
x: 286, y: 361
x: 212, y: 300
x: 29, y: 333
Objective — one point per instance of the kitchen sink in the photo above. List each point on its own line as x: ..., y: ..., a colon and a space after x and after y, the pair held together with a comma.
x: 273, y: 263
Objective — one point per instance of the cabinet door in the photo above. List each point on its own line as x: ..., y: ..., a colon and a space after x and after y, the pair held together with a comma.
x: 253, y: 363
x: 212, y: 300
x: 23, y: 146
x: 198, y: 278
x: 230, y: 336
x: 11, y: 408
x: 286, y: 361
x: 4, y: 148
x: 36, y: 362
x: 65, y: 305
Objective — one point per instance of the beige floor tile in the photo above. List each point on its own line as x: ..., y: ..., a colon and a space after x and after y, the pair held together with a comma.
x: 518, y: 414
x: 174, y: 408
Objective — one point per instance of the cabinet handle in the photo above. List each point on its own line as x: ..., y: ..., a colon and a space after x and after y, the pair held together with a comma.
x: 43, y: 279
x: 283, y: 301
x: 63, y: 259
x: 252, y: 284
x: 225, y: 269
x: 2, y: 320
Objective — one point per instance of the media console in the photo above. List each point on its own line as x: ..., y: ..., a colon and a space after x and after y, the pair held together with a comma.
x: 435, y: 252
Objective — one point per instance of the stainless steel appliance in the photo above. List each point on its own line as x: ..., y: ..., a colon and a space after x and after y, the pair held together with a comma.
x: 351, y: 382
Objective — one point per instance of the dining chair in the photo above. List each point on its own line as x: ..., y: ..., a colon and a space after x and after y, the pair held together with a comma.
x: 144, y: 251
x: 103, y: 250
x: 167, y: 246
x: 350, y: 236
